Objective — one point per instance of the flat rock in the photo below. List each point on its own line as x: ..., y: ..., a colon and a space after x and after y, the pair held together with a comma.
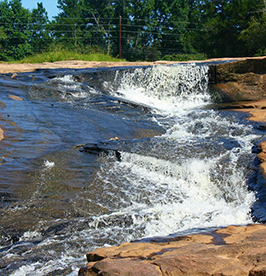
x: 234, y: 250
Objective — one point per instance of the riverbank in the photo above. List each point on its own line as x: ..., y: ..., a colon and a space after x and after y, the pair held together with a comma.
x: 77, y: 64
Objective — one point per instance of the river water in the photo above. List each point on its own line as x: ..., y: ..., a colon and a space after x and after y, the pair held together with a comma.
x: 97, y: 157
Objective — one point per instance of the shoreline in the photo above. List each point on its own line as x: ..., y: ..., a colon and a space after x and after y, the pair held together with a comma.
x: 6, y: 68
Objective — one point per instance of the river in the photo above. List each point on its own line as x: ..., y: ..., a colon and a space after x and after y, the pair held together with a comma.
x: 97, y: 157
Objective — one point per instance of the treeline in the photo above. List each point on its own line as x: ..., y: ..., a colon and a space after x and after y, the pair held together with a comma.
x: 136, y: 29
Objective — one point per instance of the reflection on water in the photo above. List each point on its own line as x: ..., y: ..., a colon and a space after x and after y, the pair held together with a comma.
x: 176, y: 167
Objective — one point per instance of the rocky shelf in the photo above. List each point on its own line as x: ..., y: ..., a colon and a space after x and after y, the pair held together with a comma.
x: 235, y: 250
x: 243, y: 80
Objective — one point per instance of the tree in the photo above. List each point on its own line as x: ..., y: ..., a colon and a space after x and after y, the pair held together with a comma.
x: 14, y: 22
x: 150, y: 29
x: 221, y: 25
x: 140, y: 33
x: 254, y: 37
x: 3, y: 37
x: 40, y: 37
x: 99, y: 18
x: 175, y: 28
x: 68, y: 24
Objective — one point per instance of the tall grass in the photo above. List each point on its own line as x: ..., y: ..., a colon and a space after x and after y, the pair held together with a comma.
x: 64, y: 54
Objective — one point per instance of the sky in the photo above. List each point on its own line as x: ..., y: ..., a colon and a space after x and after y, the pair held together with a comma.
x: 49, y: 5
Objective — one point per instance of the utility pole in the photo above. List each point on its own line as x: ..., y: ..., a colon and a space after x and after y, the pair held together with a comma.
x: 108, y: 42
x: 75, y: 34
x: 120, y: 35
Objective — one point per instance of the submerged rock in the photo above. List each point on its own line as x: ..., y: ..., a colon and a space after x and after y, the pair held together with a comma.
x: 1, y: 134
x: 235, y: 250
x: 113, y: 146
x: 243, y: 80
x: 15, y: 98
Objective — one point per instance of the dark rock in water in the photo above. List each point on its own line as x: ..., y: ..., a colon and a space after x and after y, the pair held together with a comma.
x: 56, y: 229
x: 256, y: 149
x: 111, y: 147
x: 8, y: 238
x: 105, y: 147
x: 243, y: 80
x: 65, y: 227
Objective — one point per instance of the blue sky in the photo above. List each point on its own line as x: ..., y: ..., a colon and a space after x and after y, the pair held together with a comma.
x: 50, y: 6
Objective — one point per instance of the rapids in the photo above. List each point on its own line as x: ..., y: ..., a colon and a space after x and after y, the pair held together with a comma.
x: 183, y: 167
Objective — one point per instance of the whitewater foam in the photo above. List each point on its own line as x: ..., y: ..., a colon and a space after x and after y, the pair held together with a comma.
x: 166, y: 88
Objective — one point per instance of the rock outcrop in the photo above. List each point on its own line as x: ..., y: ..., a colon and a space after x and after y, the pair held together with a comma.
x: 243, y: 80
x: 235, y: 250
x: 241, y: 85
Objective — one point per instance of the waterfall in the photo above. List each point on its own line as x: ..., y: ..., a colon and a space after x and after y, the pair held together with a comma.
x: 166, y: 88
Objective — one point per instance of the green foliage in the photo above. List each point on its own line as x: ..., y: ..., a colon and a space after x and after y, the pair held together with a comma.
x: 150, y: 29
x: 40, y: 38
x: 22, y: 32
x: 14, y: 43
x: 221, y: 25
x: 254, y: 36
x: 59, y: 55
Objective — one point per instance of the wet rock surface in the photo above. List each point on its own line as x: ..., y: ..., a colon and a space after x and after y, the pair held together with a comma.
x: 235, y: 250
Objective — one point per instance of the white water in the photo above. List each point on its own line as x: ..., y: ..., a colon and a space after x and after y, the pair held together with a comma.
x: 172, y: 190
x: 167, y: 89
x: 191, y: 178
x: 164, y: 197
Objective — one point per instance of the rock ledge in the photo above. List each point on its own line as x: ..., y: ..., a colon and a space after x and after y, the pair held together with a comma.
x: 242, y: 80
x: 234, y: 250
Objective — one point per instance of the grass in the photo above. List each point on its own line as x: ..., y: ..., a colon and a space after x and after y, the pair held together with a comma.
x: 185, y: 57
x: 61, y: 55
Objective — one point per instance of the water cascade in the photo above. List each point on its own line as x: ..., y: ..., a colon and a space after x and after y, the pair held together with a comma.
x: 182, y: 167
